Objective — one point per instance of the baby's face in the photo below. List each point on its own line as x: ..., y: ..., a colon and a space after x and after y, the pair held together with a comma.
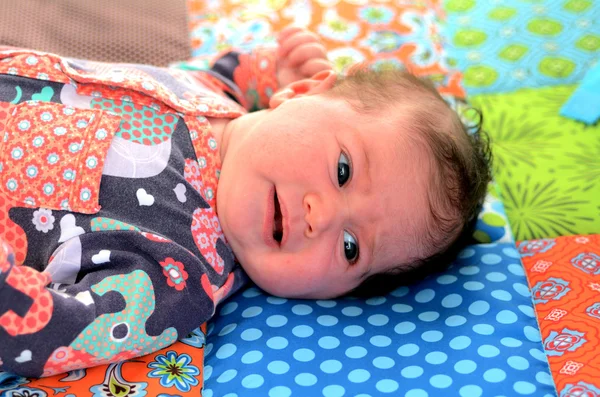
x: 316, y: 197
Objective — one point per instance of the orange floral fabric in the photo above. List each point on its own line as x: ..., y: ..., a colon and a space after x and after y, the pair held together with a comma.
x: 564, y: 277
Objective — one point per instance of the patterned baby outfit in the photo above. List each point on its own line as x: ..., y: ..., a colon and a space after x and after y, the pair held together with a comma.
x: 110, y: 246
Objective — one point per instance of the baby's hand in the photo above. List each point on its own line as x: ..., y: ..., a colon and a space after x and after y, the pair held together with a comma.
x: 300, y: 55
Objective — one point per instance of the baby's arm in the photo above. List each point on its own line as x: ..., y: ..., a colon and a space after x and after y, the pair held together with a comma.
x: 253, y: 77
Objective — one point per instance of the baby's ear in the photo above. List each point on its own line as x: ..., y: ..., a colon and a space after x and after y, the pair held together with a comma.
x: 317, y: 84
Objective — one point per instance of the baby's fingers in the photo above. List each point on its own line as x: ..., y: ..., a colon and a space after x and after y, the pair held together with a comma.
x: 315, y: 66
x: 306, y: 52
x: 294, y: 40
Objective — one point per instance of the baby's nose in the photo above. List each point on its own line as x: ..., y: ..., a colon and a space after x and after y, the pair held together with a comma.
x: 318, y: 215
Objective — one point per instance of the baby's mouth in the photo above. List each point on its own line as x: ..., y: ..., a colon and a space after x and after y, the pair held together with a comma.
x: 277, y: 222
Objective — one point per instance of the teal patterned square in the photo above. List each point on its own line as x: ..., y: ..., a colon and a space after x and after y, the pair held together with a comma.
x: 505, y: 45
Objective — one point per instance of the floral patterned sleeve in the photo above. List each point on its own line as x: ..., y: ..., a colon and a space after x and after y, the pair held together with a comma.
x: 251, y: 77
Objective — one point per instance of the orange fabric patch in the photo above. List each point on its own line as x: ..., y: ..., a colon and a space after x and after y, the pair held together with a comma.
x: 54, y: 154
x: 564, y: 275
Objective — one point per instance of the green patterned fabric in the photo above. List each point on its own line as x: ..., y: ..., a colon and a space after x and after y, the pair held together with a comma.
x: 502, y: 46
x: 547, y: 166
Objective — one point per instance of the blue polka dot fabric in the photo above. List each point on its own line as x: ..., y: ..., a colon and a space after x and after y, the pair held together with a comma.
x: 469, y: 332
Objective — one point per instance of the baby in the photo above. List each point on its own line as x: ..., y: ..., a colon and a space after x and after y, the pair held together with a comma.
x: 112, y: 176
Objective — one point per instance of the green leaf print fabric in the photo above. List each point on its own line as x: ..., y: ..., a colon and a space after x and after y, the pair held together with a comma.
x: 506, y: 45
x: 547, y: 167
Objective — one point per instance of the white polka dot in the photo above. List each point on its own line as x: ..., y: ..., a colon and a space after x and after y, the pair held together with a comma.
x: 432, y: 336
x: 331, y: 366
x: 277, y: 343
x: 544, y: 378
x: 496, y: 277
x: 276, y: 321
x: 440, y: 381
x: 494, y: 375
x: 525, y: 388
x: 301, y: 309
x: 522, y: 289
x: 408, y: 350
x: 469, y: 270
x: 446, y: 279
x: 354, y: 330
x: 416, y: 393
x: 470, y: 391
x: 511, y: 252
x: 425, y: 295
x: 327, y: 320
x: 383, y: 362
x: 380, y: 341
x: 228, y: 308
x: 326, y: 303
x: 412, y: 371
x: 227, y: 329
x: 429, y: 316
x: 465, y: 366
x: 491, y: 259
x: 510, y: 342
x: 516, y: 269
x: 252, y: 312
x: 208, y: 370
x: 305, y: 379
x: 359, y: 376
x: 518, y: 362
x: 387, y: 386
x: 304, y: 355
x: 252, y: 357
x: 302, y: 331
x: 531, y: 333
x: 483, y: 329
x: 404, y: 328
x: 502, y: 295
x: 466, y: 253
x: 376, y: 301
x: 400, y: 292
x: 253, y: 381
x: 251, y: 334
x: 280, y: 391
x: 455, y: 321
x: 329, y: 342
x: 274, y: 300
x: 378, y: 320
x: 352, y: 311
x: 227, y: 376
x: 527, y: 310
x: 402, y: 308
x: 479, y: 308
x: 356, y: 352
x: 460, y: 342
x: 226, y: 351
x: 452, y: 301
x: 473, y: 286
x: 436, y: 357
x: 251, y: 293
x: 506, y: 317
x: 333, y: 391
x: 488, y: 351
x: 538, y: 355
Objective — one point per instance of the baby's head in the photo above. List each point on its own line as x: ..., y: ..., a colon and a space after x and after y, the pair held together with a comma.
x: 459, y: 170
x: 349, y: 185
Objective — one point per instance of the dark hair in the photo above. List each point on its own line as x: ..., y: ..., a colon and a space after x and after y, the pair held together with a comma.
x: 461, y: 168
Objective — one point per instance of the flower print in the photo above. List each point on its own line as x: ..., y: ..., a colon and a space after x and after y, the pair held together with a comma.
x: 43, y: 220
x: 52, y: 158
x: 376, y: 14
x: 38, y: 141
x: 202, y: 240
x: 101, y: 134
x: 64, y: 205
x: 91, y: 162
x: 74, y: 147
x: 387, y: 64
x: 85, y: 194
x: 25, y: 392
x: 69, y: 174
x: 42, y: 76
x: 31, y: 171
x: 10, y: 381
x: 175, y: 273
x: 30, y: 201
x: 196, y: 338
x: 60, y: 131
x: 31, y: 60
x: 343, y: 58
x: 204, y: 220
x: 174, y: 370
x: 338, y: 28
x: 48, y: 188
x: 202, y: 162
x: 81, y: 123
x: 46, y: 116
x: 214, y: 237
x: 12, y: 184
x: 210, y: 258
x: 383, y: 41
x: 16, y: 153
x: 212, y: 143
x: 12, y: 71
x: 68, y: 111
x: 209, y: 194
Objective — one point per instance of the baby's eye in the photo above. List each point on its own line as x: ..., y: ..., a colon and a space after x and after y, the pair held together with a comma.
x: 350, y: 248
x: 343, y: 171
